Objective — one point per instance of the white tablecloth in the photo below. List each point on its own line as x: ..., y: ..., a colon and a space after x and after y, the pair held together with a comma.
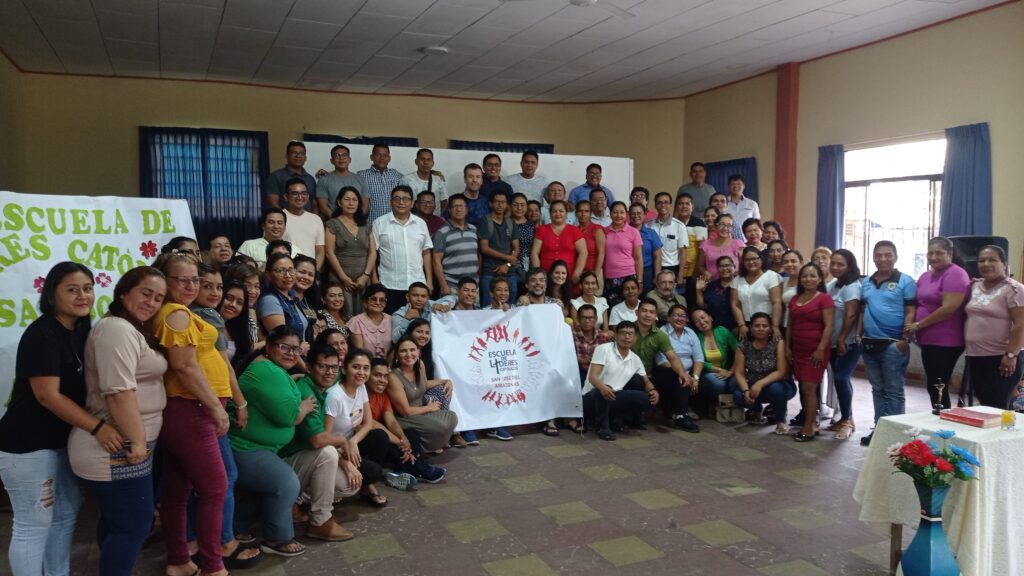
x: 983, y: 518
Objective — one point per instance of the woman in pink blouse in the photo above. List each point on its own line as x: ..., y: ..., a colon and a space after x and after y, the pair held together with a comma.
x: 994, y: 332
x: 939, y: 321
x: 721, y: 245
x: 623, y: 254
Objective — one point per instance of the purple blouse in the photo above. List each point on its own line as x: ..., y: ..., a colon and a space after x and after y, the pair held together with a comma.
x: 930, y: 288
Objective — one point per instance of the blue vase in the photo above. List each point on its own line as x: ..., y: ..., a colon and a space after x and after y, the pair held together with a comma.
x: 929, y: 553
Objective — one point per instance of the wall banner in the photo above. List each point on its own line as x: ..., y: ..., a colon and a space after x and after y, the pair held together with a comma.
x: 508, y: 368
x: 109, y: 234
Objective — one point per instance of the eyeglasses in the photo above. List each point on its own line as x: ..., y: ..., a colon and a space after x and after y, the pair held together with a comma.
x: 752, y: 259
x: 678, y: 316
x: 401, y: 199
x: 185, y: 281
x: 298, y: 193
x: 327, y: 367
x: 377, y: 299
x: 285, y: 271
x: 297, y: 154
x: 288, y: 348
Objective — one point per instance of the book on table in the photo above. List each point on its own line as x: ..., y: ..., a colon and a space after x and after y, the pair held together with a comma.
x: 970, y: 417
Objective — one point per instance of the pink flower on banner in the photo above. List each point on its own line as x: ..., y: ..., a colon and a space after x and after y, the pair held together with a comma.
x: 148, y: 249
x: 103, y: 280
x: 38, y: 284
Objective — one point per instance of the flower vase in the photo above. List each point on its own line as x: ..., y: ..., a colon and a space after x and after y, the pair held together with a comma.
x: 929, y: 553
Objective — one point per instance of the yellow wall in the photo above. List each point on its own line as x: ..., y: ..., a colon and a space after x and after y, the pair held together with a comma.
x: 966, y: 71
x: 736, y: 121
x: 84, y: 131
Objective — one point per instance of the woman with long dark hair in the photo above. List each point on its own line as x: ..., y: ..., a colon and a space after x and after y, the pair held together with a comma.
x: 761, y: 373
x: 233, y: 309
x: 808, y: 339
x: 124, y: 378
x: 45, y: 404
x: 845, y: 292
x: 351, y: 250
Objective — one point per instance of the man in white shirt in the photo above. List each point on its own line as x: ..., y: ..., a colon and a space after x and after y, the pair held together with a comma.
x: 674, y: 238
x: 307, y: 230
x: 739, y: 205
x: 617, y: 384
x: 599, y: 212
x: 529, y: 182
x: 425, y: 178
x: 274, y: 225
x: 403, y: 245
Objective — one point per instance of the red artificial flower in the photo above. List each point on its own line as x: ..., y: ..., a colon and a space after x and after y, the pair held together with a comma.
x: 917, y: 452
x: 148, y: 249
x: 943, y: 465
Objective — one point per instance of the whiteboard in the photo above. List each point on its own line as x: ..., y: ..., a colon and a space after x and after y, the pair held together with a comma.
x: 617, y: 173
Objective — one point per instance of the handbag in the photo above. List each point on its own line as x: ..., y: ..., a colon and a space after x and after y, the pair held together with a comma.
x: 875, y: 345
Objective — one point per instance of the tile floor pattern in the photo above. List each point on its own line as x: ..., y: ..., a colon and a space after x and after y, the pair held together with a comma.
x: 733, y: 500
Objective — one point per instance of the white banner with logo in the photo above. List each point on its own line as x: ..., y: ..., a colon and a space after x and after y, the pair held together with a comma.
x: 507, y: 368
x: 109, y: 234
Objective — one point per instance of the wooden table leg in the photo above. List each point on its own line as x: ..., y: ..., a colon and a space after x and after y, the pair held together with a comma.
x: 895, y: 546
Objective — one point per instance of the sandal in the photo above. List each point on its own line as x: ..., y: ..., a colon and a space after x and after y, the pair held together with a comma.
x: 551, y: 430
x: 287, y: 549
x: 801, y: 437
x: 781, y: 429
x: 577, y: 427
x: 845, y: 430
x: 233, y: 562
x: 375, y: 498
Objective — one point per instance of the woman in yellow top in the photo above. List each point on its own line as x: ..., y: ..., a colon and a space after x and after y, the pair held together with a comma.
x: 198, y: 382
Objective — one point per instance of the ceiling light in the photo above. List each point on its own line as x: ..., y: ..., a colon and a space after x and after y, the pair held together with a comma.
x: 434, y: 50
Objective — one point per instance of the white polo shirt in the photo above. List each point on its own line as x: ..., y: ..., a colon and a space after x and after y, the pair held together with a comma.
x: 673, y: 237
x: 256, y: 248
x: 617, y: 369
x: 401, y: 247
x: 305, y: 232
x: 412, y: 180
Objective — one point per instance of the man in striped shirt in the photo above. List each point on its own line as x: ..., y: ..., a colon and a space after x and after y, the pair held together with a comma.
x: 380, y: 181
x: 456, y: 248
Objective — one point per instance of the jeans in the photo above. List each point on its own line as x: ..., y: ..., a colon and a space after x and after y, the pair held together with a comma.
x: 267, y: 488
x: 227, y: 533
x: 485, y: 288
x: 671, y: 394
x: 887, y: 372
x: 629, y: 403
x: 842, y: 371
x: 45, y: 497
x: 939, y: 362
x: 192, y: 461
x: 126, y: 516
x: 719, y: 385
x: 776, y: 395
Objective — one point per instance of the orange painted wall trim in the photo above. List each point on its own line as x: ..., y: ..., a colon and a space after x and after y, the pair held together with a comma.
x: 787, y: 112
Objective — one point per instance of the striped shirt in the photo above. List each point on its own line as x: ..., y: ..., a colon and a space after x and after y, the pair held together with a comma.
x: 379, y: 184
x: 459, y: 246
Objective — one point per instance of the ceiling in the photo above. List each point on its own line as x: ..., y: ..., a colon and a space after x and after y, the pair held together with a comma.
x: 532, y: 50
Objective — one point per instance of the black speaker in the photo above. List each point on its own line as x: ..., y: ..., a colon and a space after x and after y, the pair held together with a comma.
x: 967, y: 249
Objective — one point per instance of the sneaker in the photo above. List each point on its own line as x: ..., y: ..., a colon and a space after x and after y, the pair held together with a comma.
x: 500, y: 434
x: 606, y: 434
x: 866, y: 440
x: 429, y: 474
x: 470, y: 437
x: 329, y: 531
x: 685, y: 424
x: 400, y: 480
x: 458, y: 441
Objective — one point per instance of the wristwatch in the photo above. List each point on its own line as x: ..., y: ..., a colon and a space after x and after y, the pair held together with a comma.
x: 1011, y: 355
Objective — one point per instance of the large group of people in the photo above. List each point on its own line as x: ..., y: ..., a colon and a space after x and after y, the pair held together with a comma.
x: 232, y: 395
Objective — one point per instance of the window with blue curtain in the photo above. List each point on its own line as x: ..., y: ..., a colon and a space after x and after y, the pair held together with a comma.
x: 218, y: 172
x: 501, y: 146
x: 367, y: 140
x: 719, y: 172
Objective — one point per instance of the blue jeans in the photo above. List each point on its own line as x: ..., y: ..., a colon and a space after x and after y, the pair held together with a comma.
x: 718, y: 384
x: 776, y: 395
x: 126, y: 516
x: 887, y: 372
x: 842, y: 370
x: 267, y: 489
x: 227, y: 532
x: 45, y: 496
x: 485, y: 288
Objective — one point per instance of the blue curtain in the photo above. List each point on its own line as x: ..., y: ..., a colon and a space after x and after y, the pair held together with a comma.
x: 501, y: 146
x: 218, y: 172
x: 719, y: 172
x: 367, y: 140
x: 966, y: 206
x: 828, y: 225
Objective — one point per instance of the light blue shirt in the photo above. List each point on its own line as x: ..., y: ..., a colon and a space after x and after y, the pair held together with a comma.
x: 884, y: 305
x: 582, y: 192
x: 686, y: 345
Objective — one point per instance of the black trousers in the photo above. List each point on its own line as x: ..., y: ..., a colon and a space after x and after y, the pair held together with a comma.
x: 673, y: 396
x: 987, y: 385
x: 939, y: 362
x: 629, y: 403
x: 377, y: 453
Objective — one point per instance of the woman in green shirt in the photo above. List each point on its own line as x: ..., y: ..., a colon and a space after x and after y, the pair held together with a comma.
x: 719, y: 346
x: 267, y: 485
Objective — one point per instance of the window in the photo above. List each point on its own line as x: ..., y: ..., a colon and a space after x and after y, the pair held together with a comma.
x: 501, y: 146
x: 218, y: 172
x: 893, y: 193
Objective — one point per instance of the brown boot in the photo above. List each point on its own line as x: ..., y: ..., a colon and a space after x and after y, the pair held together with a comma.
x: 330, y: 531
x: 298, y: 516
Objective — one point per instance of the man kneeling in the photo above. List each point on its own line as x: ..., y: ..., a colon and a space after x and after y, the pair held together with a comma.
x: 617, y: 385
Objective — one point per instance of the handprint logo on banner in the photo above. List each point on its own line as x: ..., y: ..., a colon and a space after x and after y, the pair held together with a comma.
x: 507, y: 366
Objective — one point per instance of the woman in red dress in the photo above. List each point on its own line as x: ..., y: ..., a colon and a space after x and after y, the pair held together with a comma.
x: 808, y: 339
x: 593, y: 235
x: 559, y: 241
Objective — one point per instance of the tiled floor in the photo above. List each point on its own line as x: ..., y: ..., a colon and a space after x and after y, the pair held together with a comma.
x: 733, y: 500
